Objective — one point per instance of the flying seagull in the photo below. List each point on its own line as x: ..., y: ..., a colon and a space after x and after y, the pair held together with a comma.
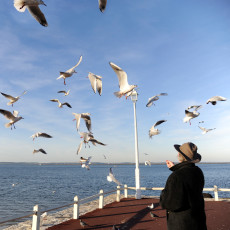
x: 154, y: 131
x: 12, y: 99
x: 85, y: 162
x: 39, y: 134
x: 205, y: 130
x: 96, y: 82
x: 154, y: 98
x: 33, y: 8
x: 123, y: 81
x: 102, y: 5
x: 60, y: 105
x: 86, y: 138
x: 65, y: 93
x: 148, y: 163
x: 69, y: 72
x: 86, y: 117
x: 190, y: 115
x: 213, y: 100
x: 39, y: 150
x: 13, y: 117
x: 111, y: 177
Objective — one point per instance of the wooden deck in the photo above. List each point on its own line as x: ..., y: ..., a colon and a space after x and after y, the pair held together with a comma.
x: 130, y: 213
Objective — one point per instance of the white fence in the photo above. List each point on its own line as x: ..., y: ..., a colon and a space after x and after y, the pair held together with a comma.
x: 37, y: 213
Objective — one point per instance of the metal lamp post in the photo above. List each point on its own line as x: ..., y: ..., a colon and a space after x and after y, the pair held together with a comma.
x: 137, y: 171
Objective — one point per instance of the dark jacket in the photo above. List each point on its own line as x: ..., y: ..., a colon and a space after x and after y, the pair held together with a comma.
x: 182, y: 198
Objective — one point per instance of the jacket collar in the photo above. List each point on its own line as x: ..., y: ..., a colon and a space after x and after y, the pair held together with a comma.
x: 182, y: 165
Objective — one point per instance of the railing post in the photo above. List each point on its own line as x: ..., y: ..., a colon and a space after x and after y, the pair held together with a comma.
x: 36, y: 218
x: 216, y: 193
x: 101, y: 199
x: 75, y: 208
x: 125, y: 191
x: 118, y: 193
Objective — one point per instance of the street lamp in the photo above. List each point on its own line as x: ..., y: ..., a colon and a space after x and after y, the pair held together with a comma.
x: 137, y: 171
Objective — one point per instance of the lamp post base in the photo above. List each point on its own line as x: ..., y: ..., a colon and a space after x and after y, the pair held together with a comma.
x: 138, y: 194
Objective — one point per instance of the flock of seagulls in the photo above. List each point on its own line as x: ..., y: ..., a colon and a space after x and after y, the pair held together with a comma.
x: 33, y: 7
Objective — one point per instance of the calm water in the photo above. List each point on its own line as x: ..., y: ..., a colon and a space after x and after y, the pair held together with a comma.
x: 55, y: 185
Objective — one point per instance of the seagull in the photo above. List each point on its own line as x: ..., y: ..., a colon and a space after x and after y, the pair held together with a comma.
x: 102, y: 5
x: 39, y: 134
x: 195, y: 107
x: 86, y: 138
x: 151, y: 206
x: 205, y: 130
x: 146, y: 153
x: 39, y: 150
x: 69, y: 72
x: 104, y: 156
x: 155, y: 98
x: 213, y: 100
x: 96, y: 82
x: 13, y: 99
x: 201, y: 122
x: 148, y: 163
x: 111, y: 177
x: 123, y: 81
x: 65, y: 93
x: 190, y: 115
x: 12, y: 117
x: 153, y: 215
x: 154, y: 131
x: 85, y: 162
x: 60, y: 105
x: 33, y: 8
x: 86, y: 117
x: 83, y: 224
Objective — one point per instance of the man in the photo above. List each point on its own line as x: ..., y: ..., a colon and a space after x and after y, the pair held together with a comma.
x: 182, y: 196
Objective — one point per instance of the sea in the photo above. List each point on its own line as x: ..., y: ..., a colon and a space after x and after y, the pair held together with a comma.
x: 23, y: 185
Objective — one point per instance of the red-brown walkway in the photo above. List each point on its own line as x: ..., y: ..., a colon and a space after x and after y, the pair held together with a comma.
x: 135, y: 214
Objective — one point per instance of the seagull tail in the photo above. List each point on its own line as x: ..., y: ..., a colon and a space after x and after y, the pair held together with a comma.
x: 7, y: 125
x: 18, y: 4
x: 117, y: 94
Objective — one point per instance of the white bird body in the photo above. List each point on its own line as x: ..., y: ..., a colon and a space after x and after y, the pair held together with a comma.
x: 153, y: 131
x: 123, y: 81
x: 65, y: 93
x: 86, y: 117
x: 213, y: 100
x: 154, y: 98
x: 102, y: 5
x: 33, y: 8
x: 148, y: 163
x: 13, y: 117
x: 13, y: 99
x: 85, y: 162
x: 190, y: 115
x: 69, y: 72
x: 39, y: 134
x: 111, y: 177
x: 60, y: 105
x: 96, y: 82
x: 205, y: 130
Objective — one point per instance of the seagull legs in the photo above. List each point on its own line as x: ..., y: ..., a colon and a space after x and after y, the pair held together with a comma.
x: 22, y: 6
x: 64, y: 82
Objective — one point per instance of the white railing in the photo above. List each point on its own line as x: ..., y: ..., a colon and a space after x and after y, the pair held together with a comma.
x: 37, y: 213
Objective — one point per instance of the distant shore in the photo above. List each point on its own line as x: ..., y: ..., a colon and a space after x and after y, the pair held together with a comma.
x: 99, y: 163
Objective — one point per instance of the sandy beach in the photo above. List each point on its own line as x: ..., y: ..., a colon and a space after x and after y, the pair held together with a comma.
x: 64, y: 215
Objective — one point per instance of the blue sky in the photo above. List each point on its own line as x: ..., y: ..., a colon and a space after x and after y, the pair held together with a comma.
x: 177, y: 47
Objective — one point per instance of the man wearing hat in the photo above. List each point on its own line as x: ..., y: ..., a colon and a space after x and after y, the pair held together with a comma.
x: 182, y: 196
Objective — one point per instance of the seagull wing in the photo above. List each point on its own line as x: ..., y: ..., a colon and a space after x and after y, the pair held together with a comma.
x: 95, y: 141
x: 78, y: 119
x: 159, y: 122
x: 7, y: 114
x: 87, y: 120
x: 92, y: 79
x: 72, y: 69
x: 44, y: 135
x: 15, y: 113
x: 202, y: 128
x: 8, y: 96
x: 55, y: 100
x: 42, y: 151
x: 37, y: 14
x: 62, y: 91
x: 24, y: 92
x: 121, y: 74
x: 79, y: 147
x: 80, y: 59
x: 67, y: 104
x: 99, y: 86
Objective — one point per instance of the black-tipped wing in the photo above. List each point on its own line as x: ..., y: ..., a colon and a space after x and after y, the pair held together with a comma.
x: 37, y: 14
x: 159, y: 122
x: 7, y: 114
x: 8, y: 96
x: 45, y: 135
x: 43, y: 151
x: 67, y: 104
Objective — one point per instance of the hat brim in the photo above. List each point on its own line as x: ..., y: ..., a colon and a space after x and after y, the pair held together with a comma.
x: 198, y: 156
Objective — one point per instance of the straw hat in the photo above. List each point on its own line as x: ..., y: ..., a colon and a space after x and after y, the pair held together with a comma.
x: 189, y: 152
